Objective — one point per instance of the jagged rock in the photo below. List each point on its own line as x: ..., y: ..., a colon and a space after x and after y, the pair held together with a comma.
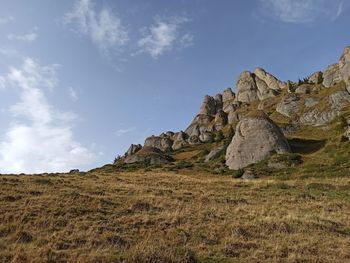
x: 339, y: 100
x: 303, y: 89
x: 347, y: 133
x: 247, y: 90
x: 180, y: 140
x: 316, y: 78
x: 220, y: 120
x: 289, y: 105
x: 134, y: 148
x: 233, y: 117
x: 316, y: 117
x: 256, y: 138
x: 214, y: 153
x: 228, y: 98
x: 271, y: 81
x: 249, y: 175
x: 74, y: 171
x: 208, y: 106
x: 150, y: 156
x: 310, y: 102
x: 332, y: 76
x: 206, y: 137
x: 162, y: 143
x: 218, y: 102
x: 194, y: 139
x: 344, y: 67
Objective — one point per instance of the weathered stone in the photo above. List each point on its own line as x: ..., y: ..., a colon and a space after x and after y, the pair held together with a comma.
x: 208, y: 106
x: 310, y: 102
x: 289, y: 105
x: 344, y: 67
x: 194, y: 139
x: 249, y: 175
x: 148, y: 155
x: 247, y: 90
x: 271, y: 81
x: 303, y: 89
x: 218, y: 102
x: 256, y: 138
x: 206, y: 137
x: 159, y: 142
x: 180, y: 140
x: 233, y: 117
x: 316, y: 78
x: 332, y: 76
x: 134, y: 148
x: 220, y: 120
x: 214, y: 153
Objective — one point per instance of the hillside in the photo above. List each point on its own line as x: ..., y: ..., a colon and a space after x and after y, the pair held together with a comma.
x: 257, y: 176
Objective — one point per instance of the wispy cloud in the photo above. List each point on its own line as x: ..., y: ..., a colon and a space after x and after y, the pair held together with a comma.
x: 73, y: 94
x: 164, y: 35
x: 6, y: 20
x: 121, y: 132
x: 104, y: 28
x: 28, y: 37
x: 301, y: 11
x: 40, y: 138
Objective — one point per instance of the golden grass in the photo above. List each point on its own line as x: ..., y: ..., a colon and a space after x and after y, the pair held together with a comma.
x: 173, y: 217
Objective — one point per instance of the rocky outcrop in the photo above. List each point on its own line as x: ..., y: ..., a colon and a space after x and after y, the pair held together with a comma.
x: 162, y: 143
x: 344, y: 67
x: 228, y: 98
x: 208, y: 106
x: 259, y: 85
x: 214, y: 153
x: 303, y: 89
x: 256, y: 138
x: 289, y: 105
x: 220, y: 120
x: 134, y: 148
x: 180, y: 140
x: 332, y: 76
x: 148, y: 155
x: 316, y: 78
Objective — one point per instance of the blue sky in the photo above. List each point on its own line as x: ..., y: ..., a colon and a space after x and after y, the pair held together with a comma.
x: 82, y: 80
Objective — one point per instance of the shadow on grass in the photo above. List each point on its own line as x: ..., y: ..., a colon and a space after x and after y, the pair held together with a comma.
x: 306, y: 146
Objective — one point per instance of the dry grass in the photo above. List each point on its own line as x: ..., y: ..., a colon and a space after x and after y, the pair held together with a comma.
x: 167, y: 217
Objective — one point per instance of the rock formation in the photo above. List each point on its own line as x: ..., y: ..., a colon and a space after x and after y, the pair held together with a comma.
x: 256, y: 138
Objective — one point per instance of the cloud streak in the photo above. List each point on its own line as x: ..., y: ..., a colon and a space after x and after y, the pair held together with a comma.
x: 28, y: 37
x: 163, y: 36
x: 301, y: 11
x: 103, y: 27
x: 40, y: 138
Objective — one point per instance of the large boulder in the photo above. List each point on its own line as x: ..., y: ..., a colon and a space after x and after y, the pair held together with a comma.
x: 271, y: 81
x: 162, y: 143
x: 289, y: 105
x: 332, y: 75
x: 228, y: 98
x: 134, y: 148
x: 149, y: 156
x: 344, y: 67
x: 180, y: 140
x: 316, y: 78
x: 220, y: 120
x: 256, y: 138
x: 214, y: 153
x: 208, y: 106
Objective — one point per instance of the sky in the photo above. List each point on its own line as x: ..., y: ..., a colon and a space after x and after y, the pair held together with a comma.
x: 81, y: 80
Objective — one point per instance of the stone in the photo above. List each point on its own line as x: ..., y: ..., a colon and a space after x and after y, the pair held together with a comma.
x: 315, y: 117
x: 193, y: 140
x: 74, y: 171
x: 331, y: 76
x: 347, y: 133
x: 180, y: 140
x: 249, y: 175
x: 271, y: 81
x: 233, y: 117
x: 289, y: 105
x: 339, y: 100
x: 220, y: 120
x: 310, y: 102
x: 344, y: 67
x: 228, y: 98
x: 134, y: 148
x: 149, y: 156
x: 218, y: 102
x: 214, y: 153
x: 303, y: 89
x: 206, y: 137
x: 208, y: 106
x: 256, y: 138
x: 162, y: 143
x: 316, y: 78
x: 247, y: 90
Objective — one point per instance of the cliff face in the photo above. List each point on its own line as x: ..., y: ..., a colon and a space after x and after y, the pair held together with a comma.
x: 290, y: 108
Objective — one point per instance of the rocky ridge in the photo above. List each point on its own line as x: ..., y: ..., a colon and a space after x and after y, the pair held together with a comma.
x: 262, y: 110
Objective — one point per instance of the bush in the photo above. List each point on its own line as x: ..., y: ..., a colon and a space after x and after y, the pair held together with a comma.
x: 237, y: 173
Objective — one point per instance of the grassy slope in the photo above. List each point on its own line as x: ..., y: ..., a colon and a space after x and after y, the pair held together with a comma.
x: 183, y: 213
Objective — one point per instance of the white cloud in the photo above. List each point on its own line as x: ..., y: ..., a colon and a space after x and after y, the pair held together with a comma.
x: 301, y: 11
x: 6, y: 20
x: 40, y: 138
x: 104, y: 28
x: 164, y: 36
x: 8, y: 52
x: 73, y: 94
x: 28, y: 37
x: 121, y: 132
